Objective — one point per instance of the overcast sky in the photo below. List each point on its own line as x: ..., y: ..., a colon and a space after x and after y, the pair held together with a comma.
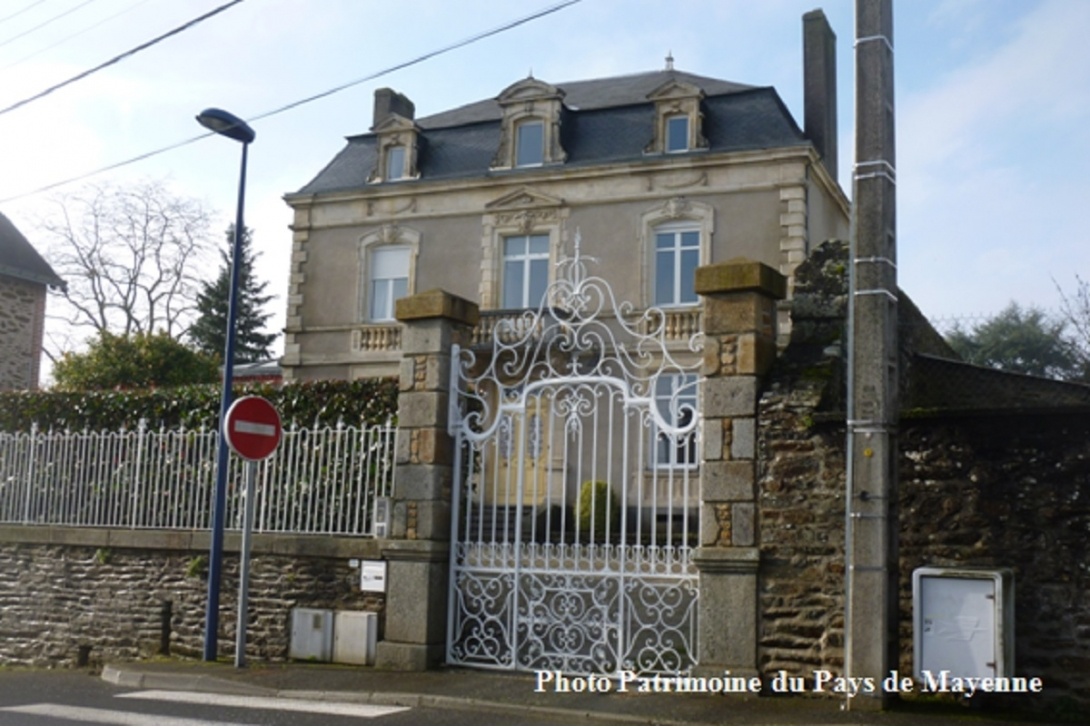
x: 993, y: 106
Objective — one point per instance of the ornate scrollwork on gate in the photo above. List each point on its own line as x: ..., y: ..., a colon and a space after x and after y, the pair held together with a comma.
x: 575, y: 487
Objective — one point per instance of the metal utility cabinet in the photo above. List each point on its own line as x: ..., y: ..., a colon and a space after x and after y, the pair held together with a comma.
x: 963, y: 622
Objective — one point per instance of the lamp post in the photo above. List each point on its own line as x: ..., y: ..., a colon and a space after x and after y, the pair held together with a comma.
x: 229, y: 125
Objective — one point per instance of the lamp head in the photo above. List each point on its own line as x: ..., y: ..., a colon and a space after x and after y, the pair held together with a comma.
x: 226, y: 124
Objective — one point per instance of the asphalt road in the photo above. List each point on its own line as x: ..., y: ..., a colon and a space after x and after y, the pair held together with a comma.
x: 49, y: 697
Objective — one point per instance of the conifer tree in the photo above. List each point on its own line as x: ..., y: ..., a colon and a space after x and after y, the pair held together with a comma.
x: 209, y: 332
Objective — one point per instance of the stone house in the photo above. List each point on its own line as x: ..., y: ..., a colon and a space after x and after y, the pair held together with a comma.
x: 660, y: 171
x: 475, y: 221
x: 24, y: 279
x: 703, y: 200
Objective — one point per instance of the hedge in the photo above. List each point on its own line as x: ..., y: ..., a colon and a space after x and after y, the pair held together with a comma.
x: 365, y: 401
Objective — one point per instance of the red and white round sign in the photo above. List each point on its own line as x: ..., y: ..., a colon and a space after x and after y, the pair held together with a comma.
x: 252, y: 427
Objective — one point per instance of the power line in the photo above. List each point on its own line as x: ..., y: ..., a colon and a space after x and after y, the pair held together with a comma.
x: 295, y: 104
x: 126, y: 54
x: 17, y: 36
x: 73, y: 35
x: 20, y: 12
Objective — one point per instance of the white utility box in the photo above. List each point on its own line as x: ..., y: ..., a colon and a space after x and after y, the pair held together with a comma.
x: 355, y: 634
x: 373, y: 576
x: 311, y: 634
x: 963, y: 622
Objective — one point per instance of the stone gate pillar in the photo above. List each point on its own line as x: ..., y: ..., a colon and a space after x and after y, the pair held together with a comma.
x: 739, y: 299
x: 418, y: 549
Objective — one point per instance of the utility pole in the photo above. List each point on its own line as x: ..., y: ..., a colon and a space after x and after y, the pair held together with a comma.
x: 871, y: 528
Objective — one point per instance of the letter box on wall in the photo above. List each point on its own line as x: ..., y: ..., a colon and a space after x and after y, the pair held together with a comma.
x: 963, y: 621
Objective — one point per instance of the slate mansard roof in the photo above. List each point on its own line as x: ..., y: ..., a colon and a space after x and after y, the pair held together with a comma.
x: 605, y: 121
x: 19, y: 259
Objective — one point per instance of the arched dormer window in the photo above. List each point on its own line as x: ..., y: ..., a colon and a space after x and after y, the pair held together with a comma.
x: 530, y: 133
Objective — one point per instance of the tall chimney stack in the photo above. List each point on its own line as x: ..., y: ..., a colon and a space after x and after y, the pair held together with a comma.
x: 819, y: 86
x: 389, y: 102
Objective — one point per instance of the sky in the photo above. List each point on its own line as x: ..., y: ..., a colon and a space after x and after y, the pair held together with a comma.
x: 992, y: 108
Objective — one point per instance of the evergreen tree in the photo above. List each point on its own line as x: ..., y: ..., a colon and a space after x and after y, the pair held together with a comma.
x: 209, y: 333
x: 1024, y: 340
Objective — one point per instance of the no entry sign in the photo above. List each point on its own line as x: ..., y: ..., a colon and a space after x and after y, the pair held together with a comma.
x: 252, y: 427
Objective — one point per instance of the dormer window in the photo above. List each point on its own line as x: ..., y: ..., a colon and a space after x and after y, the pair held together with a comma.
x: 678, y: 119
x: 530, y: 132
x: 677, y: 133
x: 530, y: 144
x: 395, y: 162
x: 396, y: 139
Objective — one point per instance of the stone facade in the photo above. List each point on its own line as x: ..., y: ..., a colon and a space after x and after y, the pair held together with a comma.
x: 431, y: 203
x: 22, y: 318
x: 67, y: 591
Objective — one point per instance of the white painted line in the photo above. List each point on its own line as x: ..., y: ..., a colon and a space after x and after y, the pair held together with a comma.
x: 69, y: 713
x: 265, y: 430
x: 346, y: 709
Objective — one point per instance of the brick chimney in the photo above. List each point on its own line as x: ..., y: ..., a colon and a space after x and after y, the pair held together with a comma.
x: 387, y: 102
x: 819, y: 86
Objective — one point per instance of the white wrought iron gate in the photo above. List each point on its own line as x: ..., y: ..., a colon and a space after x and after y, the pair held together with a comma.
x: 574, y: 514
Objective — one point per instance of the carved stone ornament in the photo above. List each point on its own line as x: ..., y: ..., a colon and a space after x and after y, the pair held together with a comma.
x: 390, y: 233
x: 676, y: 207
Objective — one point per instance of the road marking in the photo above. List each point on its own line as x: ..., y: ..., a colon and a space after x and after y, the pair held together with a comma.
x: 265, y: 430
x: 346, y: 709
x: 69, y: 713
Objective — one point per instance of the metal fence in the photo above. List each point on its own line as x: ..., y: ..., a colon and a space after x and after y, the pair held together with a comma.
x: 321, y: 481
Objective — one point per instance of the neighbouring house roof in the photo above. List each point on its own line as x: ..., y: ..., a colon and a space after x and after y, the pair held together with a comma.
x: 19, y: 259
x: 606, y: 121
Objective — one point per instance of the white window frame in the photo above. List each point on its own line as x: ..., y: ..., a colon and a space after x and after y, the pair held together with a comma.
x: 685, y: 238
x: 675, y: 397
x: 396, y: 155
x: 526, y: 258
x: 386, y: 237
x: 676, y: 213
x: 539, y: 149
x: 670, y: 137
x: 391, y: 296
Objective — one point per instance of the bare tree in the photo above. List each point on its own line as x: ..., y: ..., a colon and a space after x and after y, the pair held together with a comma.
x: 132, y: 256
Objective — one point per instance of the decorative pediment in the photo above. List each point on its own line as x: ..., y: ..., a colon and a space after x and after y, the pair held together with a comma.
x: 674, y: 89
x: 523, y: 198
x: 395, y: 123
x: 529, y: 89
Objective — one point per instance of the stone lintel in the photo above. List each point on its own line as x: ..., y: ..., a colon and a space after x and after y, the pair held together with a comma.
x: 727, y: 560
x: 739, y: 275
x: 437, y: 303
x: 424, y: 551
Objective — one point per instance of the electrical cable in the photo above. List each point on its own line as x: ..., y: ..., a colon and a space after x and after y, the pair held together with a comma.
x: 143, y: 46
x: 295, y: 104
x: 73, y: 35
x: 20, y: 12
x: 17, y: 36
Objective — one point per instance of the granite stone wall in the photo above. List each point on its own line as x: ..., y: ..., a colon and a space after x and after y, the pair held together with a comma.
x: 108, y: 602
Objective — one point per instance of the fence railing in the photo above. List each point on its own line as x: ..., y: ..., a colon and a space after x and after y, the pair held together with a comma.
x: 320, y: 481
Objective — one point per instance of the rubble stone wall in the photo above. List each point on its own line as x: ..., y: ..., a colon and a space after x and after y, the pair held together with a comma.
x: 59, y: 599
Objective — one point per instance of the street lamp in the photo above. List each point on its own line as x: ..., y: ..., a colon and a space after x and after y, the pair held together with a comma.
x: 229, y: 125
